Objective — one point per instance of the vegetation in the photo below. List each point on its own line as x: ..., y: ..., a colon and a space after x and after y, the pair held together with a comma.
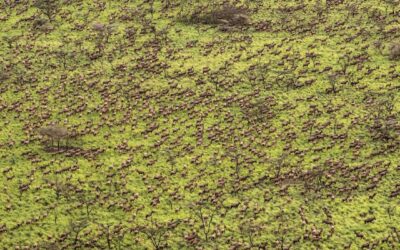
x: 54, y: 133
x: 176, y: 124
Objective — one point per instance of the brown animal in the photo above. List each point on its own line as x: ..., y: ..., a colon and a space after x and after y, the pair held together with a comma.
x: 55, y: 133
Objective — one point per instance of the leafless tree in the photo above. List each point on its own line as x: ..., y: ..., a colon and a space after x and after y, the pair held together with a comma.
x: 76, y: 227
x: 205, y: 213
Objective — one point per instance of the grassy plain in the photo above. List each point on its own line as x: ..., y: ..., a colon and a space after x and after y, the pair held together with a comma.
x: 282, y: 133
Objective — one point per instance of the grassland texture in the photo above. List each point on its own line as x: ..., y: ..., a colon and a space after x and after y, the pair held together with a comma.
x: 275, y: 126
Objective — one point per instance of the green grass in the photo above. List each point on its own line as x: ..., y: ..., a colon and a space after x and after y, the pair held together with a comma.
x: 135, y: 188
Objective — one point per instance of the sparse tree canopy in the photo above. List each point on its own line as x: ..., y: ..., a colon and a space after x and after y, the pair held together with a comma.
x: 55, y: 132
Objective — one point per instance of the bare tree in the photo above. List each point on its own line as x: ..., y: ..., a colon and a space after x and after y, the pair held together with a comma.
x: 76, y: 227
x: 157, y: 232
x: 333, y: 82
x: 205, y: 213
x: 249, y: 229
x: 103, y: 34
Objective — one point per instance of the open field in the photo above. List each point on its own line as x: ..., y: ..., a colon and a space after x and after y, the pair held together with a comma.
x: 183, y: 124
